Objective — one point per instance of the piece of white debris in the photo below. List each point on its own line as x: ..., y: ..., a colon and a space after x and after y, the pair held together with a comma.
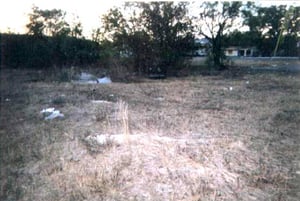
x: 230, y: 88
x: 54, y: 115
x: 104, y: 80
x: 117, y: 139
x: 247, y: 82
x: 48, y: 110
x: 102, y: 139
x: 101, y: 101
x: 87, y: 76
x: 51, y: 113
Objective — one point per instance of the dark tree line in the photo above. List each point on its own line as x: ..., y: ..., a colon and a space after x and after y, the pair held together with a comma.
x: 50, y: 41
x: 43, y: 52
x: 273, y: 30
x: 160, y: 33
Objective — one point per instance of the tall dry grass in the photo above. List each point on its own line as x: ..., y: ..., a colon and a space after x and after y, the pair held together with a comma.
x: 199, y: 138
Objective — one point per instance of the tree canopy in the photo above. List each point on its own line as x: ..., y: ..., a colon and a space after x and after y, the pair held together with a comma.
x: 51, y: 23
x: 215, y: 19
x: 156, y: 34
x: 277, y: 27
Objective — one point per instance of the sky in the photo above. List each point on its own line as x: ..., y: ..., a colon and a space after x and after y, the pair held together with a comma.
x: 14, y: 13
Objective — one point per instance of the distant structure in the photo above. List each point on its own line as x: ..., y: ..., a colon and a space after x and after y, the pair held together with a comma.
x: 202, y: 47
x: 237, y: 51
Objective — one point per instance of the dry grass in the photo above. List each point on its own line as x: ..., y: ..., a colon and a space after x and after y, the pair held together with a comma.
x: 198, y: 138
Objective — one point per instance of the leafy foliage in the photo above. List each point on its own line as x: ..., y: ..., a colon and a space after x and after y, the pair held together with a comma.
x: 215, y: 20
x: 51, y: 23
x: 242, y: 39
x: 42, y: 52
x: 277, y: 26
x: 50, y: 41
x: 155, y: 35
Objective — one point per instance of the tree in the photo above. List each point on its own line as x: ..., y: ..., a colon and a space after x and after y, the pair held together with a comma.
x: 170, y: 30
x: 112, y: 36
x: 243, y: 39
x: 47, y: 22
x: 114, y: 24
x: 216, y: 19
x: 156, y: 34
x: 278, y: 28
x: 289, y: 31
x: 76, y: 28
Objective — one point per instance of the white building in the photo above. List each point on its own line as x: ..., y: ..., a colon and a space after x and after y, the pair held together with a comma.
x: 235, y: 51
x: 231, y: 52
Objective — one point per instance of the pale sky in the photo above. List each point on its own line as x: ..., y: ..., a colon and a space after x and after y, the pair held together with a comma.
x: 14, y: 13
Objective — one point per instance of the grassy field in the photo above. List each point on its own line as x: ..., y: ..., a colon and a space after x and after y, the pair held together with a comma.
x: 231, y: 136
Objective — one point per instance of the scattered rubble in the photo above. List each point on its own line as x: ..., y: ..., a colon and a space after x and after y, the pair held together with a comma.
x: 104, y: 80
x: 51, y: 113
x: 87, y: 78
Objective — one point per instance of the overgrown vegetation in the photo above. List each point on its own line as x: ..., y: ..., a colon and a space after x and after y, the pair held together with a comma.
x: 50, y: 41
x: 152, y: 38
x: 156, y: 36
x: 273, y: 30
x: 232, y: 136
x: 42, y: 51
x: 215, y: 20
